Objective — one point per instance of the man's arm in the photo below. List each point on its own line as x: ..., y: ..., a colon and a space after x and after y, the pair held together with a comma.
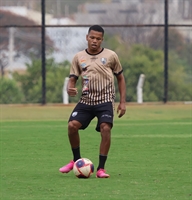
x: 71, y: 89
x: 122, y: 90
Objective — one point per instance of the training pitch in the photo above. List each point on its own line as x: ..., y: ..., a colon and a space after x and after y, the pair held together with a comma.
x: 150, y: 156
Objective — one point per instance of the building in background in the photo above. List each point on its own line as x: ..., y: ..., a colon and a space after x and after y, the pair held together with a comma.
x: 28, y: 13
x: 70, y: 40
x: 67, y: 40
x: 135, y: 12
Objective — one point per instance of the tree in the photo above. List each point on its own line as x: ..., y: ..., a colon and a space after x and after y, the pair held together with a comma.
x: 178, y: 44
x: 27, y: 41
x: 10, y: 92
x: 176, y: 39
x: 31, y: 81
x: 144, y: 60
x: 140, y: 59
x: 179, y: 80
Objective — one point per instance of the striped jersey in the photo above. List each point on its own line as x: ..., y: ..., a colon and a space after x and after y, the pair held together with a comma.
x: 97, y: 72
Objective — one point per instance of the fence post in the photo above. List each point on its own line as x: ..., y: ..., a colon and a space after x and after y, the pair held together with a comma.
x: 140, y: 88
x: 166, y: 40
x: 65, y: 94
x: 11, y: 50
x: 43, y: 70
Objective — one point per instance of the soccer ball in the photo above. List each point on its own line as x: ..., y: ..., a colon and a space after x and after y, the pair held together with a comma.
x: 83, y: 168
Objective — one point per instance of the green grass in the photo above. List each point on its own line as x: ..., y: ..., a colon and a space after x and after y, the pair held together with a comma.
x: 150, y: 156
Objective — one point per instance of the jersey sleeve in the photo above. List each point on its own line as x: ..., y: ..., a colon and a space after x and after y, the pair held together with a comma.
x: 117, y: 68
x: 75, y: 69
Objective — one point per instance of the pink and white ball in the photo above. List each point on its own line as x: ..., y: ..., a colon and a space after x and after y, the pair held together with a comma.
x: 83, y: 168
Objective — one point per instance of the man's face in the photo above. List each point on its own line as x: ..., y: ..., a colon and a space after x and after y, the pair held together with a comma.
x: 94, y: 39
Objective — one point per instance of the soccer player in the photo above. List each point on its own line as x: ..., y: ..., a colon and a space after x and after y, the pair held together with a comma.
x: 97, y: 67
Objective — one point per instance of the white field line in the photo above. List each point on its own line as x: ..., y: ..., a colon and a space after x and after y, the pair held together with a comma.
x: 154, y: 124
x: 153, y: 136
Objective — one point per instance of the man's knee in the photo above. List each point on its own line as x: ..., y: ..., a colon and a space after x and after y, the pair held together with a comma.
x: 73, y: 126
x: 105, y: 127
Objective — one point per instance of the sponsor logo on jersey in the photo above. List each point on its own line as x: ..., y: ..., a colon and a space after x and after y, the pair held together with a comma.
x: 82, y: 62
x: 94, y: 58
x: 85, y: 89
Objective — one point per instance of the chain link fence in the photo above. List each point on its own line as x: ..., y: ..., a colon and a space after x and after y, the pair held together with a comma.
x: 134, y: 29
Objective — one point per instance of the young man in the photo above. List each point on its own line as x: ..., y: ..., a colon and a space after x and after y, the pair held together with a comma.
x: 97, y: 67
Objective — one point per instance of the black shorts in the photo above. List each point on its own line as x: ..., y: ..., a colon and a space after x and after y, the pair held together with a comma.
x: 84, y: 114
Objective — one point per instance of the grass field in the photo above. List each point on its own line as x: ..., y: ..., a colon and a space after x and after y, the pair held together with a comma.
x: 150, y: 156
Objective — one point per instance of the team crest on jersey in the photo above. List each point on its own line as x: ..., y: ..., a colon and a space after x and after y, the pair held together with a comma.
x: 104, y: 60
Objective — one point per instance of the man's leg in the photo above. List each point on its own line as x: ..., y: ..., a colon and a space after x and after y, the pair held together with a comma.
x: 105, y: 129
x: 74, y: 139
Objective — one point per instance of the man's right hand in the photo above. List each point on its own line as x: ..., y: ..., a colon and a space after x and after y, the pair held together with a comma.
x: 72, y: 92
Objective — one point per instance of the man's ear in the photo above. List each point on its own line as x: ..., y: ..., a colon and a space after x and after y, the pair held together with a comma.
x: 87, y: 37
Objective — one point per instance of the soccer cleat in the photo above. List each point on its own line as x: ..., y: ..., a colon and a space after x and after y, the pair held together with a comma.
x: 101, y: 174
x: 67, y: 168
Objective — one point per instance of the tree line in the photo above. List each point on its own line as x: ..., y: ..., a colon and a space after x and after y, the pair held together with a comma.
x: 144, y: 56
x: 139, y: 59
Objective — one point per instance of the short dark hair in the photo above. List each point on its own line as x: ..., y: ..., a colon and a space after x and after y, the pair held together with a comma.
x: 96, y: 28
